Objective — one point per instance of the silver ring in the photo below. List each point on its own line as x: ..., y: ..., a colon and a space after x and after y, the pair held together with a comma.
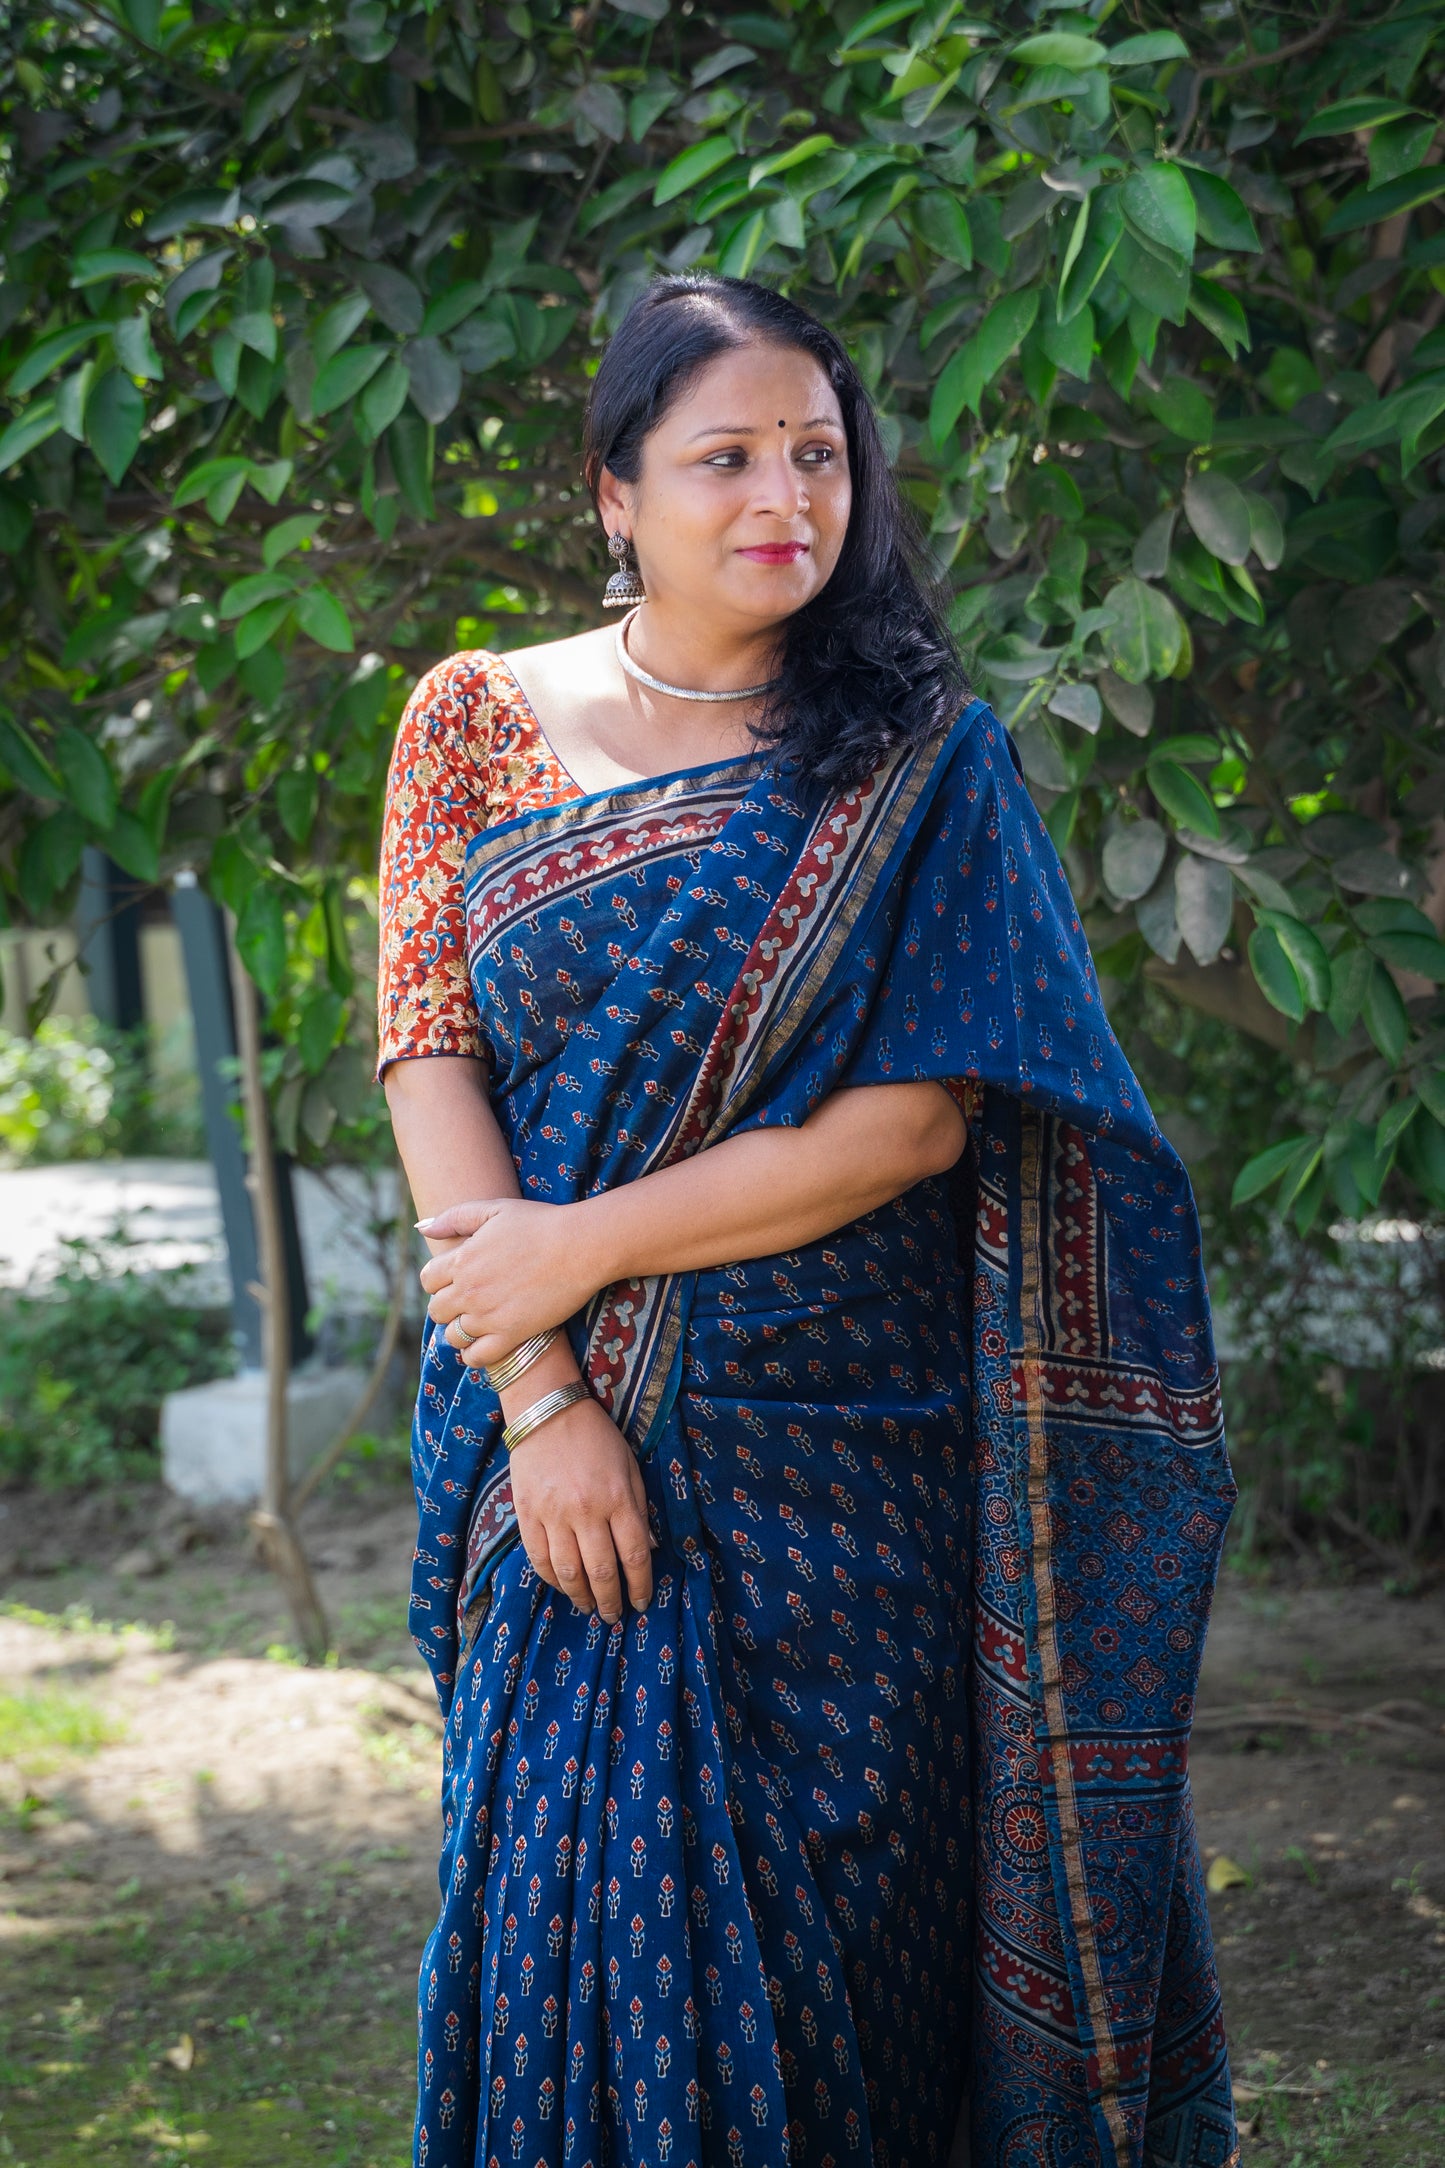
x: 467, y: 1337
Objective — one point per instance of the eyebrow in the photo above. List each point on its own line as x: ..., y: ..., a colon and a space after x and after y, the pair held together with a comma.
x: 745, y: 429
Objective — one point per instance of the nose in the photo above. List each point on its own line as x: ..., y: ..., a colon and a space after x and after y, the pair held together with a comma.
x: 782, y: 487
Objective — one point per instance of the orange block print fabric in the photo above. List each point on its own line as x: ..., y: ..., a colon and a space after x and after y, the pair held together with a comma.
x: 469, y: 753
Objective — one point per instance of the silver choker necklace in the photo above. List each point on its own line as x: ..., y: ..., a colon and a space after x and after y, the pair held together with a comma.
x: 678, y: 692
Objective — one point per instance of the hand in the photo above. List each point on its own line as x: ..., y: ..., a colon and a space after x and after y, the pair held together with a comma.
x: 512, y: 1268
x: 582, y: 1510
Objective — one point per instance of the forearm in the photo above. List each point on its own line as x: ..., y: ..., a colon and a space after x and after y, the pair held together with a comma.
x: 446, y: 1133
x: 772, y: 1189
x: 452, y: 1149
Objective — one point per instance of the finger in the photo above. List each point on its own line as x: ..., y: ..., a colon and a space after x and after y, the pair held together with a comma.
x: 567, y: 1571
x: 639, y: 1499
x: 436, y: 1274
x: 445, y: 1305
x: 457, y: 1220
x: 599, y: 1556
x: 632, y: 1545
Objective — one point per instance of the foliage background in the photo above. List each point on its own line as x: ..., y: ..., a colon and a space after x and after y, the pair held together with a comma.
x: 298, y: 310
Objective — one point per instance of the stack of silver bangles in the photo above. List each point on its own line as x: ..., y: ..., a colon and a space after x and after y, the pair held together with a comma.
x: 500, y: 1375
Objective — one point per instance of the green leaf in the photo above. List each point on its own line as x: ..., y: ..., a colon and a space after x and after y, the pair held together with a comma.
x: 1395, y: 1120
x: 1275, y: 975
x: 1260, y: 1173
x: 690, y: 167
x: 783, y: 161
x: 94, y: 265
x: 344, y: 375
x: 412, y: 445
x: 135, y: 348
x: 1144, y: 640
x: 1370, y: 206
x: 1183, y: 409
x: 980, y: 358
x: 1159, y: 284
x: 1147, y: 49
x: 1399, y: 148
x: 1059, y: 49
x: 1223, y: 220
x: 210, y: 475
x: 1418, y: 952
x: 261, y: 938
x: 49, y: 354
x: 289, y: 536
x: 1217, y: 510
x: 742, y: 244
x: 1305, y: 951
x: 296, y: 791
x: 1353, y: 115
x: 1221, y: 312
x: 943, y: 223
x: 1266, y: 534
x: 257, y: 587
x: 85, y: 772
x: 320, y: 1022
x: 1160, y: 206
x: 270, y: 479
x: 27, y: 764
x: 1097, y: 232
x: 1070, y: 346
x: 259, y: 626
x: 384, y: 397
x: 270, y: 101
x: 323, y: 619
x: 39, y: 421
x: 1182, y: 795
x: 130, y: 843
x: 114, y: 419
x: 1384, y: 1014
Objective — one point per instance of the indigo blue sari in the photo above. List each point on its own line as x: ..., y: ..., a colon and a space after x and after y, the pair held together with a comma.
x: 876, y: 1822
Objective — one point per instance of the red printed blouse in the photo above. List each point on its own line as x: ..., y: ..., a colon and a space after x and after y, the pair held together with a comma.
x: 469, y: 752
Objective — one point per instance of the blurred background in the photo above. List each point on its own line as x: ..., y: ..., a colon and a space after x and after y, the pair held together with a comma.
x: 298, y: 311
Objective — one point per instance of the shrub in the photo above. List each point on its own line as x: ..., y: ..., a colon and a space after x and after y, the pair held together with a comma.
x: 78, y: 1090
x: 85, y: 1365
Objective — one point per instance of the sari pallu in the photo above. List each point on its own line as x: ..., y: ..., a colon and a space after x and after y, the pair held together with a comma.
x: 655, y: 1941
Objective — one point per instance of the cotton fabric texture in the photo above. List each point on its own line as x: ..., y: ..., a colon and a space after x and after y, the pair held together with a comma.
x: 878, y: 1815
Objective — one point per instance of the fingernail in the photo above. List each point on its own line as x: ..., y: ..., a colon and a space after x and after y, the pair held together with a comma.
x: 421, y: 1226
x: 654, y: 1541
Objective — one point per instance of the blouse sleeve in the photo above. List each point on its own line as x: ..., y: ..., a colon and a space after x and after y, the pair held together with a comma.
x: 435, y: 804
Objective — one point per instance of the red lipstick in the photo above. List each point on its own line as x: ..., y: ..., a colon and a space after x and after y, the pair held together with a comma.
x: 776, y: 553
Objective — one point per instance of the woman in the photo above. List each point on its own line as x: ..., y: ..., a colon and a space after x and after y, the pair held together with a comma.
x: 817, y: 1614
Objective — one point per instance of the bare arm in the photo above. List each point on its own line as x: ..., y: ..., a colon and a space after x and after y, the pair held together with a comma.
x: 526, y: 1265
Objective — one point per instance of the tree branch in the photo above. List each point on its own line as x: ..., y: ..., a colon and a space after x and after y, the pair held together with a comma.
x: 1248, y: 65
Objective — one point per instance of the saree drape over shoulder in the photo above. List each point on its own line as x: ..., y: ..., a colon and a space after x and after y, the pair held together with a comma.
x: 880, y: 1812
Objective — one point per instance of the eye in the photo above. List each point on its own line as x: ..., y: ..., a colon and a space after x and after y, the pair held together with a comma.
x: 819, y: 455
x: 728, y: 461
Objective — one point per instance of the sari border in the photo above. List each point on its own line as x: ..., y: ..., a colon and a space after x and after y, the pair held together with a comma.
x: 1061, y: 1773
x: 619, y: 802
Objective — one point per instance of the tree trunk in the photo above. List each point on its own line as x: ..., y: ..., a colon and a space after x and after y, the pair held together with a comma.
x: 279, y: 1544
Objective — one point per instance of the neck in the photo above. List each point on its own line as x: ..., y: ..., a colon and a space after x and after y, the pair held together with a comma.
x: 703, y: 657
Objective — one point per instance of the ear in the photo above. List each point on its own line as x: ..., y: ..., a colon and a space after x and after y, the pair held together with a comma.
x: 614, y: 502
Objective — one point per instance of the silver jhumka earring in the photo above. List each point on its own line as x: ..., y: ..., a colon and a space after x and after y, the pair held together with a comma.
x: 625, y: 589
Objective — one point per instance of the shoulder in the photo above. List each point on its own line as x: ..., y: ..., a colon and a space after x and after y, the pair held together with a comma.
x: 457, y: 692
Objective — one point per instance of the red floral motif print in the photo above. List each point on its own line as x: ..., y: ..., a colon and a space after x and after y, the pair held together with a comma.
x: 469, y: 752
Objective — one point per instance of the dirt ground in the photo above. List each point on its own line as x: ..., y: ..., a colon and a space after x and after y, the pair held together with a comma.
x: 216, y: 1867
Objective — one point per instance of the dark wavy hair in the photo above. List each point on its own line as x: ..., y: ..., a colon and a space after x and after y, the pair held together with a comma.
x: 868, y: 664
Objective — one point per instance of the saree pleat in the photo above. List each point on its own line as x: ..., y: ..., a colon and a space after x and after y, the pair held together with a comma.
x: 883, y: 1801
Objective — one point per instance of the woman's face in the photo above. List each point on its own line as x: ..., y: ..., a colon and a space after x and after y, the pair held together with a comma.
x: 744, y: 496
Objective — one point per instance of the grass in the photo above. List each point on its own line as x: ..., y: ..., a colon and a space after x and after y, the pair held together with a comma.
x: 1361, y: 2122
x: 42, y: 1728
x: 230, y: 2034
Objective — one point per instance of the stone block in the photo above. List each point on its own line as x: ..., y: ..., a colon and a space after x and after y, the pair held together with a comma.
x: 213, y: 1437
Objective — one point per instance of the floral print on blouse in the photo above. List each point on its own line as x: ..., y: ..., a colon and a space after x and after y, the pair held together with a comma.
x: 469, y: 752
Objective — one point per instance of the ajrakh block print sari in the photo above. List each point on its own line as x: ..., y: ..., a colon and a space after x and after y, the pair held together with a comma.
x: 878, y: 1816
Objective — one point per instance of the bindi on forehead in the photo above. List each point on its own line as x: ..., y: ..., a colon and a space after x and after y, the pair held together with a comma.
x: 782, y: 425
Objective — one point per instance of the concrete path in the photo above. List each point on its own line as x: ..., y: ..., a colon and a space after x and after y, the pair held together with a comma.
x: 164, y: 1212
